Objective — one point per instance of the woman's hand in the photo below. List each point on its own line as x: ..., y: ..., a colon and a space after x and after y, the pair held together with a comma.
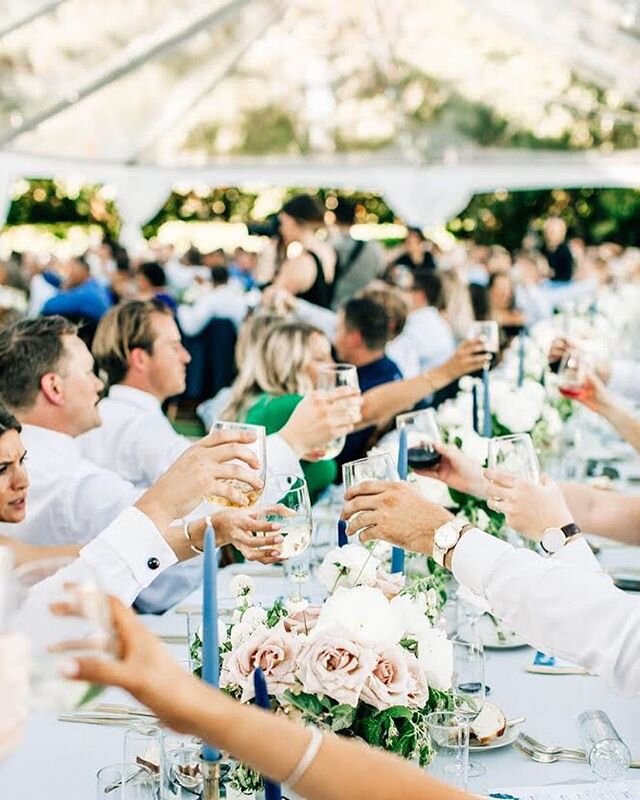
x: 319, y: 418
x: 253, y: 535
x: 529, y: 508
x: 595, y: 395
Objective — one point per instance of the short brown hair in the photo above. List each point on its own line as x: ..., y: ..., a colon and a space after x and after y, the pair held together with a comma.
x: 123, y: 328
x: 393, y: 302
x: 29, y: 349
x: 8, y: 422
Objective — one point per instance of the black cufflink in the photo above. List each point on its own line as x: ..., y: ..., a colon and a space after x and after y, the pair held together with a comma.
x: 153, y: 563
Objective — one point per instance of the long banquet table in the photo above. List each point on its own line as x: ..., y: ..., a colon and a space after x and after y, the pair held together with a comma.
x: 59, y: 761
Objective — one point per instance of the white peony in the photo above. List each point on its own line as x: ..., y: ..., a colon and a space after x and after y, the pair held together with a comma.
x: 434, y: 490
x: 410, y: 615
x: 553, y: 419
x: 364, y: 613
x: 344, y: 566
x: 241, y: 586
x: 472, y: 444
x: 521, y: 407
x: 435, y: 654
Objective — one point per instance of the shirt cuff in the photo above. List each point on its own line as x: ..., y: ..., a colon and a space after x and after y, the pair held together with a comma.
x: 474, y: 558
x: 579, y: 554
x: 280, y: 457
x: 129, y: 554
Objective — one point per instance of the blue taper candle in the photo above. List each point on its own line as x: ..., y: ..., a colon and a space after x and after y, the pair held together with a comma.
x: 474, y: 407
x: 210, y: 648
x: 342, y: 533
x: 486, y: 402
x: 521, y: 358
x: 397, y: 553
x: 272, y: 791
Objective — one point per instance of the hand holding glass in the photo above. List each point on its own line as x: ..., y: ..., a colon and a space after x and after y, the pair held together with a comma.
x: 422, y: 433
x: 333, y: 376
x: 515, y: 454
x: 259, y: 447
x: 572, y: 374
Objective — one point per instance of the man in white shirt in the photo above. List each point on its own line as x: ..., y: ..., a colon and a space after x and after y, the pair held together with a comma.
x: 223, y: 301
x: 427, y: 340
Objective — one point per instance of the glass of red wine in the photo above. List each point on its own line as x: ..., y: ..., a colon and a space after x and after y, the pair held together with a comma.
x: 422, y: 434
x: 572, y: 374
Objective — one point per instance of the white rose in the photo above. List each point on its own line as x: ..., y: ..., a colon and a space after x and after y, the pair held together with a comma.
x: 344, y: 566
x: 241, y: 586
x: 364, y: 613
x: 222, y: 632
x: 435, y: 654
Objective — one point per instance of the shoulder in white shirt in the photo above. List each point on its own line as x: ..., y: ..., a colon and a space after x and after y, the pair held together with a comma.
x: 135, y: 439
x: 221, y: 302
x: 426, y: 342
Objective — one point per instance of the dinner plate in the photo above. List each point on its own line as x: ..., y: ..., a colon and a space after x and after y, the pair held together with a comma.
x: 507, y: 738
x: 488, y: 634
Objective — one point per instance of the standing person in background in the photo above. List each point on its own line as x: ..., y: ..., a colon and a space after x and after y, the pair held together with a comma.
x: 306, y: 265
x: 151, y: 282
x: 222, y: 301
x: 81, y: 296
x: 242, y: 269
x: 415, y: 253
x: 502, y: 303
x: 359, y: 262
x: 556, y: 250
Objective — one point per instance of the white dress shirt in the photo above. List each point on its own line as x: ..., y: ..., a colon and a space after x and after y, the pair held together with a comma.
x: 565, y: 605
x: 221, y: 302
x: 70, y: 498
x: 135, y: 439
x: 625, y: 378
x: 425, y: 342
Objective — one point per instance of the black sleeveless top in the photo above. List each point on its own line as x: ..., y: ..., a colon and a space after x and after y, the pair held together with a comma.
x: 320, y: 291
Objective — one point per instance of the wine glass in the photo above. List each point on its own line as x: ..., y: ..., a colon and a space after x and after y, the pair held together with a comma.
x: 372, y: 468
x: 572, y: 374
x: 468, y: 684
x: 259, y: 447
x: 291, y: 494
x: 63, y: 619
x: 515, y: 454
x: 422, y: 433
x: 333, y: 376
x: 489, y: 332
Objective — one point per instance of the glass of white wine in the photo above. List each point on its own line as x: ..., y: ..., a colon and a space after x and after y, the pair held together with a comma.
x: 330, y: 377
x: 63, y: 619
x: 259, y: 447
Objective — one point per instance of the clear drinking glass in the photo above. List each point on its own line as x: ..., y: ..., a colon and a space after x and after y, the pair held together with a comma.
x: 63, y: 619
x: 333, y: 376
x: 259, y: 447
x: 489, y: 331
x: 422, y: 433
x: 608, y: 756
x: 373, y: 468
x: 572, y: 374
x: 125, y: 782
x: 449, y: 735
x: 143, y: 746
x: 468, y: 684
x: 515, y: 454
x: 182, y: 777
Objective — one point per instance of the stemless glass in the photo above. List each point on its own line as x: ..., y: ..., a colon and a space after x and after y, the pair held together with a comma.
x: 143, y: 746
x: 373, y: 468
x: 333, y: 376
x: 572, y: 374
x: 259, y: 447
x: 422, y: 433
x: 489, y: 331
x: 125, y: 782
x: 449, y: 735
x: 63, y: 619
x: 515, y: 454
x: 608, y: 756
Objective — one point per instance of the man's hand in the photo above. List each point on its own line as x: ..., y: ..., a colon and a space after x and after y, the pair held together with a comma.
x: 204, y: 469
x: 529, y: 508
x: 395, y: 512
x: 458, y: 471
x: 319, y: 418
x: 470, y: 356
x: 250, y: 533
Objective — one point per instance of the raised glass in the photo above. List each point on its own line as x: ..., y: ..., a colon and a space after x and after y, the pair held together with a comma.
x: 330, y: 377
x: 259, y: 447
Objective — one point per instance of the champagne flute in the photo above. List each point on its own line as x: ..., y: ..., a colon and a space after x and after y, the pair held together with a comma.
x: 515, y: 454
x: 572, y: 374
x: 333, y: 376
x: 422, y: 433
x: 259, y: 447
x: 63, y: 619
x: 489, y: 332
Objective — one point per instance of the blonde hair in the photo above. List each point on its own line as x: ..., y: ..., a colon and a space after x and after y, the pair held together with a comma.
x: 458, y: 308
x: 244, y: 389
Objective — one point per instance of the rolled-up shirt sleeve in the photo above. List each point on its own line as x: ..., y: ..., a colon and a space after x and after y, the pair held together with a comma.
x: 564, y: 605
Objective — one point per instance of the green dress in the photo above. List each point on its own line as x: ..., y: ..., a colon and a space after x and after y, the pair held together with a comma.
x: 273, y: 413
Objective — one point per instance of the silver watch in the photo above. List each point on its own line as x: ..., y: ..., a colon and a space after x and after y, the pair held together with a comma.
x: 447, y: 537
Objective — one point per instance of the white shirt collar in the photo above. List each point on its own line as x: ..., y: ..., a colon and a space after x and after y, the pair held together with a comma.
x: 134, y: 397
x: 52, y: 441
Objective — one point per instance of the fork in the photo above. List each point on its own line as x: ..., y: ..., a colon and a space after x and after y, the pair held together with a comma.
x: 551, y: 748
x: 545, y: 758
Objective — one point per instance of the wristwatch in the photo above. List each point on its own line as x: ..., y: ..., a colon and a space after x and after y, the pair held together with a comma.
x: 554, y: 539
x: 447, y: 537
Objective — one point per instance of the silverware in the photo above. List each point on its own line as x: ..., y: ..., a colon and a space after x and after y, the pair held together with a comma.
x: 551, y: 748
x: 515, y: 721
x: 115, y: 708
x: 174, y: 638
x: 502, y: 636
x: 545, y: 758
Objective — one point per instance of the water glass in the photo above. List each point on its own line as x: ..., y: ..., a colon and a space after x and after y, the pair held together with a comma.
x: 291, y: 494
x: 63, y: 619
x: 125, y: 782
x: 515, y: 454
x: 468, y: 684
x: 449, y: 737
x: 143, y: 746
x: 608, y: 756
x: 422, y: 433
x: 373, y: 468
x: 259, y: 447
x: 333, y: 376
x: 182, y: 777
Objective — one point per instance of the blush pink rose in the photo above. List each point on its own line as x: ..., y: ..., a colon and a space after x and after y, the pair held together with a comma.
x: 332, y: 663
x: 418, y: 694
x: 273, y: 650
x: 302, y: 621
x: 390, y: 584
x: 390, y: 681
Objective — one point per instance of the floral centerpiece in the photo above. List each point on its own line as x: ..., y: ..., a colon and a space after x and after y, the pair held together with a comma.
x: 368, y: 662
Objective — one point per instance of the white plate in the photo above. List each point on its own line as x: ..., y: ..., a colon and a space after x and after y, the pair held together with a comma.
x: 488, y: 634
x: 507, y: 738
